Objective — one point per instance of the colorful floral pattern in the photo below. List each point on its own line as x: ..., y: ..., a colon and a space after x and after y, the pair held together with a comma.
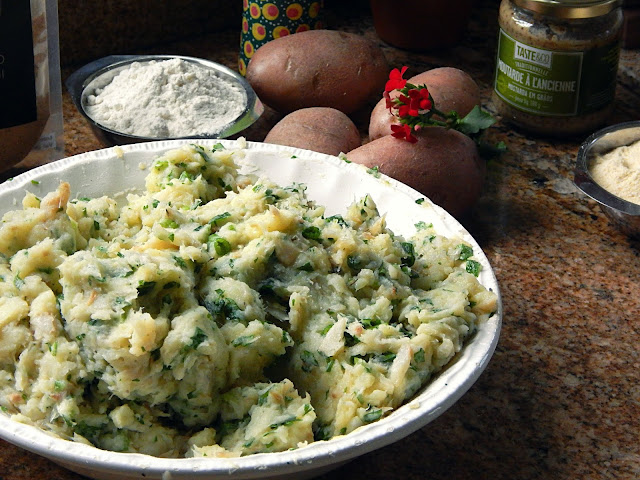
x: 265, y: 21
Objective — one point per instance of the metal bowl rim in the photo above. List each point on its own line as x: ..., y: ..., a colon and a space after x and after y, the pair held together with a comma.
x: 90, y: 72
x: 585, y: 182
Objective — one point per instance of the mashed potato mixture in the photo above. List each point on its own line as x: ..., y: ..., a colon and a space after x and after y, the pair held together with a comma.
x: 218, y: 314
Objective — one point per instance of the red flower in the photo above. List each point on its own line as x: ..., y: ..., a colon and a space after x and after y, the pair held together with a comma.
x: 414, y: 109
x: 388, y: 101
x: 396, y: 82
x: 419, y: 101
x: 403, y: 106
x: 403, y: 131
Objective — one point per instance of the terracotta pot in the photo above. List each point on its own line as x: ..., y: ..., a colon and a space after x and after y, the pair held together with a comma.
x: 421, y: 24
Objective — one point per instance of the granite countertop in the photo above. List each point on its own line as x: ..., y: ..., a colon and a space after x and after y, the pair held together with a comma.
x: 560, y: 398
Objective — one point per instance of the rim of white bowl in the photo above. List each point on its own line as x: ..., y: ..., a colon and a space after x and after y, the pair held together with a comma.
x: 433, y: 399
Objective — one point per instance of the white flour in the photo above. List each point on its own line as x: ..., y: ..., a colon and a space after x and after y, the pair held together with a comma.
x: 166, y: 99
x: 619, y: 172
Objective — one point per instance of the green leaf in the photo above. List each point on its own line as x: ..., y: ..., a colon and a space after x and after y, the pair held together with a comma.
x: 186, y: 176
x: 169, y: 223
x: 243, y: 341
x: 145, y: 287
x: 410, y: 258
x: 475, y: 121
x: 330, y: 363
x: 285, y: 422
x: 217, y: 220
x: 387, y: 357
x: 372, y: 416
x: 201, y: 151
x: 308, y: 361
x: 311, y: 233
x: 473, y: 267
x: 466, y: 251
x: 161, y: 164
x: 350, y: 340
x: 338, y: 219
x: 369, y: 323
x: 307, y: 267
x: 262, y: 398
x: 198, y: 337
x: 375, y: 171
x: 354, y: 262
x: 221, y: 245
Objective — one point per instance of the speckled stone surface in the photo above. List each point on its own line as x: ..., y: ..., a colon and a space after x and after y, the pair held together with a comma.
x: 95, y: 28
x: 560, y: 398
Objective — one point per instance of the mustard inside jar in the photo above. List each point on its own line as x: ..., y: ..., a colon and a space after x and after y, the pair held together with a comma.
x: 557, y: 63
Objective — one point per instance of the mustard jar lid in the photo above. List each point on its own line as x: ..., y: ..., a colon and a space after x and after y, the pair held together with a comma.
x: 570, y: 8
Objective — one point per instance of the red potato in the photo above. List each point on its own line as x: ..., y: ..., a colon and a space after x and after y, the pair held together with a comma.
x: 443, y: 164
x: 451, y: 89
x: 321, y: 129
x: 318, y: 68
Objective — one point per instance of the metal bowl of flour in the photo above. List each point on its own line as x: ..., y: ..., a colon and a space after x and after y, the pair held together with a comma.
x: 95, y: 76
x: 625, y: 215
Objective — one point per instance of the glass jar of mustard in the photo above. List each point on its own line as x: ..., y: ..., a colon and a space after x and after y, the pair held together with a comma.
x: 557, y: 63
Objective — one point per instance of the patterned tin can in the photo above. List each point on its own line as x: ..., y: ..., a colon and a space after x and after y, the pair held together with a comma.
x: 263, y: 21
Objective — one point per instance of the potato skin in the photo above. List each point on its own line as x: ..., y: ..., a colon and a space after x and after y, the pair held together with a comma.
x: 451, y: 89
x: 380, y: 121
x: 443, y: 164
x: 321, y: 129
x: 318, y: 68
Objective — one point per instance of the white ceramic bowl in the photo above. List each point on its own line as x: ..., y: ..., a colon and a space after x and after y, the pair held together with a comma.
x: 331, y: 182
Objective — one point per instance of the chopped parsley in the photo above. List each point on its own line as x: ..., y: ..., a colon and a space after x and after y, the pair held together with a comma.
x: 196, y: 339
x: 465, y: 251
x: 168, y: 223
x: 473, y: 267
x: 311, y: 233
x: 219, y: 244
x: 372, y: 415
x: 338, y: 219
x: 308, y: 361
x: 218, y: 219
x: 307, y: 267
x: 375, y: 171
x: 243, y: 340
x: 410, y: 257
x: 145, y: 287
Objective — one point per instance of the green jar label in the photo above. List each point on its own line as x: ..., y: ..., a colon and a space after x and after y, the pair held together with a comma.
x: 555, y: 83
